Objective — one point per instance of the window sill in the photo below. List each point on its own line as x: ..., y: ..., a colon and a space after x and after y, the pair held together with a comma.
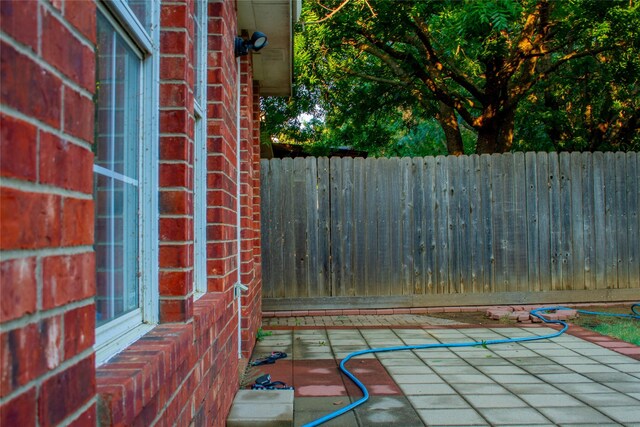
x: 118, y: 335
x: 129, y: 382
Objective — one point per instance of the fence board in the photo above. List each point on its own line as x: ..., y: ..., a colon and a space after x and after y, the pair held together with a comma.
x: 599, y: 219
x: 633, y: 191
x: 437, y: 227
x: 311, y: 208
x: 419, y: 271
x: 429, y: 224
x: 324, y: 286
x: 465, y: 239
x: 455, y: 221
x: 486, y: 197
x: 359, y: 238
x: 509, y: 224
x: 407, y: 225
x: 520, y: 221
x: 533, y: 242
x: 620, y: 212
x: 442, y: 225
x: 336, y: 218
x: 267, y: 226
x: 577, y: 230
x: 544, y: 221
x: 565, y: 263
x: 610, y: 229
x: 499, y: 222
x: 348, y: 231
x: 278, y: 234
x: 288, y: 240
x: 588, y: 222
x: 555, y: 222
x: 371, y: 230
x: 299, y: 223
x: 475, y: 226
x: 392, y: 263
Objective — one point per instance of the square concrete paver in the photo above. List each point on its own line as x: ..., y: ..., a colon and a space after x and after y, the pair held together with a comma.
x: 623, y: 414
x: 451, y: 417
x: 549, y: 400
x: 445, y: 401
x: 520, y: 416
x: 388, y: 410
x: 495, y: 401
x: 574, y: 415
x: 262, y: 408
x: 308, y: 409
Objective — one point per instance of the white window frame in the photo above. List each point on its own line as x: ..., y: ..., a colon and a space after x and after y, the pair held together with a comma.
x: 200, y: 158
x: 117, y: 334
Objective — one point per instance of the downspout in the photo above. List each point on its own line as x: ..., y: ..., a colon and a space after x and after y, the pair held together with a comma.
x: 238, y: 287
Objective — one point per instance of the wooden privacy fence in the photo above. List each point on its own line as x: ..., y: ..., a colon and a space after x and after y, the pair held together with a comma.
x: 502, y: 228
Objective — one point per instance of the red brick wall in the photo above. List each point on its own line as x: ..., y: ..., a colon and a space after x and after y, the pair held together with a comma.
x: 186, y: 369
x: 250, y: 190
x: 47, y: 272
x: 176, y: 167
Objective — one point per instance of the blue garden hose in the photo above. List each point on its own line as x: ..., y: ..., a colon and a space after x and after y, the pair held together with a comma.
x: 538, y: 312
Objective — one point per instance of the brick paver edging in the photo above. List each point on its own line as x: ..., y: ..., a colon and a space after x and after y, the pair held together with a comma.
x: 419, y: 310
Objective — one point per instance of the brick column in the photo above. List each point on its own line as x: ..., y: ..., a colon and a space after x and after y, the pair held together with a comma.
x: 251, y: 315
x: 47, y: 268
x: 176, y: 161
x: 221, y: 148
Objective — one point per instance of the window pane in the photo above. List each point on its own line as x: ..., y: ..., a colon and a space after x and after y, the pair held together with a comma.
x: 116, y: 174
x: 116, y: 248
x: 141, y: 8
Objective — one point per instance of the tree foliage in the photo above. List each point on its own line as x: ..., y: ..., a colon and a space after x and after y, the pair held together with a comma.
x: 456, y: 76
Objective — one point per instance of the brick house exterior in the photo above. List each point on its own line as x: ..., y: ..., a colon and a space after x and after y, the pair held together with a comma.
x: 185, y: 369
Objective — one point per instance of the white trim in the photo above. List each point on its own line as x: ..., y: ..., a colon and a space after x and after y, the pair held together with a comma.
x: 114, y: 175
x: 200, y: 159
x: 111, y: 348
x: 150, y: 158
x: 200, y: 207
x: 115, y: 335
x: 119, y: 325
x: 130, y: 23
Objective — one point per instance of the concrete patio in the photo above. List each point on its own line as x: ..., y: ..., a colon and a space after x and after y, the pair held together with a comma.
x: 580, y: 378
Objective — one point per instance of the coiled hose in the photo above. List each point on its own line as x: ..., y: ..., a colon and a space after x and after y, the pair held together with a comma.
x: 538, y: 312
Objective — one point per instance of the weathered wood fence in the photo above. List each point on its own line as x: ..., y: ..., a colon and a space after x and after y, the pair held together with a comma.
x: 510, y: 228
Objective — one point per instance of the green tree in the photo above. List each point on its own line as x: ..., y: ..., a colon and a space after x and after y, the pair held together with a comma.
x: 566, y: 72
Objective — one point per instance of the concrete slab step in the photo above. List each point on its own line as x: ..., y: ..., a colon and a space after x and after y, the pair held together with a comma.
x: 261, y: 408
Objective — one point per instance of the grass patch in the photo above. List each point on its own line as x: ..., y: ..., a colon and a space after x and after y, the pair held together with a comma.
x: 262, y: 333
x: 624, y: 329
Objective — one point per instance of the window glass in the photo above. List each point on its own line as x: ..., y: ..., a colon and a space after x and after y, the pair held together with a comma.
x: 116, y: 185
x: 141, y: 9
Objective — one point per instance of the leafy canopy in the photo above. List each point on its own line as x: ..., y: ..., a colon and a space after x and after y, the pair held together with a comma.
x: 437, y: 76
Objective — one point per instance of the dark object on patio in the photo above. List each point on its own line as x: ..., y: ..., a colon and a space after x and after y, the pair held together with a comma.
x: 269, y: 359
x: 264, y: 383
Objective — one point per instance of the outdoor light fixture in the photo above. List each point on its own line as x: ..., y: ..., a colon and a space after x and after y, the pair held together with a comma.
x: 257, y: 42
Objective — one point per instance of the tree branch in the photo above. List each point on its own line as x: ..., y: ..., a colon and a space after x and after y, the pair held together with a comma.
x: 375, y: 79
x: 329, y: 16
x: 444, y: 68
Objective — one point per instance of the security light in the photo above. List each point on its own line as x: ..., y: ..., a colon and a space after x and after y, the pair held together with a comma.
x: 258, y: 41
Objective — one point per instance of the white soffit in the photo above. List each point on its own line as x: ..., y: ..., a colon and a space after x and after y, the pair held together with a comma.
x: 273, y: 65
